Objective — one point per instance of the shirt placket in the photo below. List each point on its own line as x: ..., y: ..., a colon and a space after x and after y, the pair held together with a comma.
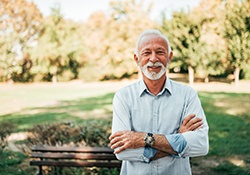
x: 154, y: 129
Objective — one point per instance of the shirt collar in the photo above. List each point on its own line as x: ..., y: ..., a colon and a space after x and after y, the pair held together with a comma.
x: 143, y: 87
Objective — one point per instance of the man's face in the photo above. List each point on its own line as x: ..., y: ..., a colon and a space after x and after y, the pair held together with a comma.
x: 153, y: 56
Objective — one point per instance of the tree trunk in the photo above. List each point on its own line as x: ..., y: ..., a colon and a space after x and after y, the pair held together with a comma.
x: 190, y: 75
x: 54, y: 79
x: 206, y: 78
x: 236, y: 76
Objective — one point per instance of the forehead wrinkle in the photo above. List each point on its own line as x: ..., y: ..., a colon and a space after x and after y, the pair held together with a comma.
x: 152, y: 47
x: 152, y: 42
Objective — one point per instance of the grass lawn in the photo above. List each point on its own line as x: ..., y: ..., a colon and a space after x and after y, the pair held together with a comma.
x: 228, y: 115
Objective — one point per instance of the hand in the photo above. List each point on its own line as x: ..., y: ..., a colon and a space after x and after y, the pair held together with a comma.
x: 126, y: 140
x: 159, y: 155
x: 190, y: 123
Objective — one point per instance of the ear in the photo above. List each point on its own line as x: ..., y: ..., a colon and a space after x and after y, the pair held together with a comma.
x: 170, y: 56
x: 136, y: 58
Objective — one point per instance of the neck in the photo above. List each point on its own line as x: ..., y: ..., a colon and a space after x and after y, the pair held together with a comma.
x: 155, y: 86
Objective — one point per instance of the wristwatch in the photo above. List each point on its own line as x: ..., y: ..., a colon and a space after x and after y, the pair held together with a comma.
x: 149, y: 140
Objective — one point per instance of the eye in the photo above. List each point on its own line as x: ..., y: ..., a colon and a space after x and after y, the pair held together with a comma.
x: 146, y: 53
x: 160, y: 52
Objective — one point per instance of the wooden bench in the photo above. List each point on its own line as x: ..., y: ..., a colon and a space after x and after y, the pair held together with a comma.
x: 73, y: 157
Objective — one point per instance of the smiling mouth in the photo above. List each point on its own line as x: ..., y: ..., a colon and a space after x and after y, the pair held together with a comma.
x: 153, y: 68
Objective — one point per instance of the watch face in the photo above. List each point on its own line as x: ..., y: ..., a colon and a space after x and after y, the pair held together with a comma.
x: 150, y: 139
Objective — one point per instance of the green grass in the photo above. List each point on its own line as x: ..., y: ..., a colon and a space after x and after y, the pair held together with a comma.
x: 228, y: 115
x: 11, y: 163
x: 51, y: 104
x: 70, y: 111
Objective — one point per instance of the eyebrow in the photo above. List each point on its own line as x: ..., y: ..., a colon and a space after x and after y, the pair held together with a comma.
x: 161, y: 49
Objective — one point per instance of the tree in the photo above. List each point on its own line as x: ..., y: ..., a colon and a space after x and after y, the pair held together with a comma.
x: 237, y: 34
x: 194, y: 39
x: 113, y: 39
x: 58, y: 48
x: 19, y: 27
x: 185, y: 36
x: 212, y: 55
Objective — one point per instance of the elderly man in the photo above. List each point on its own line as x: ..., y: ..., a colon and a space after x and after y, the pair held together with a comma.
x: 157, y: 123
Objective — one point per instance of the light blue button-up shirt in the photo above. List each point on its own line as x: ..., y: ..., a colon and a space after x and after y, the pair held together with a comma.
x: 136, y: 109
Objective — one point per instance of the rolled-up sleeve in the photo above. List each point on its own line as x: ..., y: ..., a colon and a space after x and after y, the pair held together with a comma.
x: 177, y: 142
x: 197, y: 141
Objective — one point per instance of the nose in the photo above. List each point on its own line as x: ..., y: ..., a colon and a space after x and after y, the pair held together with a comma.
x: 153, y: 58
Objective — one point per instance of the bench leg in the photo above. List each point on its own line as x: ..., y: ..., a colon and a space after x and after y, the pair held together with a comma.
x: 40, y: 170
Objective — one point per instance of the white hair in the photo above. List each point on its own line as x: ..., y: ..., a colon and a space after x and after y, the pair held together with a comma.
x: 151, y: 32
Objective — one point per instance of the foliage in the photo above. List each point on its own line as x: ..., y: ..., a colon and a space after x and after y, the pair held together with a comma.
x: 20, y: 22
x: 5, y: 130
x: 237, y: 34
x: 90, y: 133
x: 58, y: 48
x: 212, y: 54
x: 211, y: 39
x: 193, y: 36
x: 113, y: 40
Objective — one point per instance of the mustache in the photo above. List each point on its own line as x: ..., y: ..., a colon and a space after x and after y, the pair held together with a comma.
x: 156, y: 64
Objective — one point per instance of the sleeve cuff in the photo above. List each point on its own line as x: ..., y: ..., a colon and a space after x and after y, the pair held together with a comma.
x: 148, y: 154
x: 178, y: 143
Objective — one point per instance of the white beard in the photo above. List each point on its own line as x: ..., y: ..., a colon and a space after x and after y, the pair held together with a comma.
x: 153, y: 75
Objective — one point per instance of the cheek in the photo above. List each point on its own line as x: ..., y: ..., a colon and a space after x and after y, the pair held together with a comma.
x: 164, y: 61
x: 142, y: 62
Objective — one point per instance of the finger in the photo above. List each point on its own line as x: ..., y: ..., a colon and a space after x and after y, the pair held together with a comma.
x: 114, y: 140
x: 117, y: 145
x: 199, y: 127
x: 118, y: 150
x: 193, y: 121
x: 187, y: 119
x: 116, y: 134
x: 120, y: 138
x: 196, y: 125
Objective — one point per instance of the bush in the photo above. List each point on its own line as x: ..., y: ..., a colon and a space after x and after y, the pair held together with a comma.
x: 5, y: 130
x: 89, y: 133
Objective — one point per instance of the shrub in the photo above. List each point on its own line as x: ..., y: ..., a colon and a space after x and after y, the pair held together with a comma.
x: 89, y: 133
x: 5, y: 130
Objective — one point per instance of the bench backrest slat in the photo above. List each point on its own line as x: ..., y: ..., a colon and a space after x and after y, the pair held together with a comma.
x: 81, y: 156
x: 73, y: 149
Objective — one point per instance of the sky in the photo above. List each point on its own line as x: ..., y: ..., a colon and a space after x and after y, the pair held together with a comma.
x: 80, y: 10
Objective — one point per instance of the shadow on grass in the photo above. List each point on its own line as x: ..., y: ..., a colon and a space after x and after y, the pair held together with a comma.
x: 229, y: 134
x: 228, y: 116
x: 71, y: 111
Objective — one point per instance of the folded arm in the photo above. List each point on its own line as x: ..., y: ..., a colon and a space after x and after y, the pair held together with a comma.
x: 191, y: 139
x: 165, y: 145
